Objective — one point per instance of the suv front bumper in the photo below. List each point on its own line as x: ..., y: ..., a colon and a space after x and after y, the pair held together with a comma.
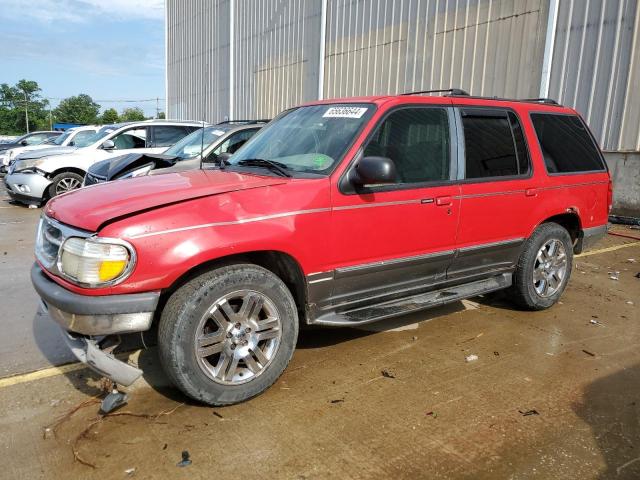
x: 26, y: 187
x: 84, y: 317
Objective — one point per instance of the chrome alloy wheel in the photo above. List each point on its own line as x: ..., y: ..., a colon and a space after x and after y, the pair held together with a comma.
x: 238, y: 337
x: 66, y: 185
x: 549, y: 268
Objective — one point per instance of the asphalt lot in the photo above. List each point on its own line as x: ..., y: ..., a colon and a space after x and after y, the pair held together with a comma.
x: 553, y: 394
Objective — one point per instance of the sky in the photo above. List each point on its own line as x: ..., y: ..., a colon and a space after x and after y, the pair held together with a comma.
x: 108, y: 49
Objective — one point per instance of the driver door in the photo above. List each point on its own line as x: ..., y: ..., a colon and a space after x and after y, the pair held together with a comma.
x: 399, y: 238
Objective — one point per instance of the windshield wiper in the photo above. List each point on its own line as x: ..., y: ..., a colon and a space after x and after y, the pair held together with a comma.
x: 279, y: 168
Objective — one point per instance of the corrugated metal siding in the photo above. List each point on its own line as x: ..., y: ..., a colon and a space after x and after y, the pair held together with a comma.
x: 276, y: 55
x: 596, y: 68
x: 197, y: 54
x: 487, y: 47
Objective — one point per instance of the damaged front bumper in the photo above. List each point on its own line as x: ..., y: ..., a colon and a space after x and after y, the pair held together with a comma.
x: 87, y: 320
x: 28, y: 188
x: 88, y: 351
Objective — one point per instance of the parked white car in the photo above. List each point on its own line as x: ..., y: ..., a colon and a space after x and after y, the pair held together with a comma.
x: 74, y: 137
x: 36, y: 176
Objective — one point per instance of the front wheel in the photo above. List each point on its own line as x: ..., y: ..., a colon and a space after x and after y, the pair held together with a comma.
x: 64, y: 182
x: 228, y: 334
x: 544, y: 268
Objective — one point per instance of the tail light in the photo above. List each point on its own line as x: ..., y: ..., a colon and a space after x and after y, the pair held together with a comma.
x: 610, y: 196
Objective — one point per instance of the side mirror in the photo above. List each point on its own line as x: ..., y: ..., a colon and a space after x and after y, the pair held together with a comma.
x: 108, y: 145
x: 223, y: 158
x: 24, y: 142
x: 373, y: 171
x: 72, y: 143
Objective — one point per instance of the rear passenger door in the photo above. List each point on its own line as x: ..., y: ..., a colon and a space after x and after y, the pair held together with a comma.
x: 496, y: 192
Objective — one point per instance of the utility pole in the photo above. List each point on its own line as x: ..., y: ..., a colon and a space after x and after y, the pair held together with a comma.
x: 26, y: 110
x: 157, y: 107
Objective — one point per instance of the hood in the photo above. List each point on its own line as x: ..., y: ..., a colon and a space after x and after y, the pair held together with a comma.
x: 91, y: 207
x: 113, y: 168
x: 46, y: 152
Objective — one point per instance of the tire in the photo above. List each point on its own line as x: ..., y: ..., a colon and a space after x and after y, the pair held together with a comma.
x: 208, y: 309
x: 530, y: 294
x: 64, y: 182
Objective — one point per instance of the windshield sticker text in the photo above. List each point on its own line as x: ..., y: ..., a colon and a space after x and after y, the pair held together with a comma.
x: 345, y: 112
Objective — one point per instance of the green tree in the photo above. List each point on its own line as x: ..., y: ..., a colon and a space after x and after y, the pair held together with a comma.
x: 133, y: 114
x: 78, y: 109
x: 15, y: 101
x: 110, y: 115
x: 161, y: 115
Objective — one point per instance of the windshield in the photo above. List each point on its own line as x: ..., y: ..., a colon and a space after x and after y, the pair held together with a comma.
x: 103, y: 132
x: 190, y: 146
x: 307, y: 139
x: 59, y: 140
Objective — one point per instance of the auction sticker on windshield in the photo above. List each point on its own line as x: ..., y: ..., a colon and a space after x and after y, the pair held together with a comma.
x: 345, y: 112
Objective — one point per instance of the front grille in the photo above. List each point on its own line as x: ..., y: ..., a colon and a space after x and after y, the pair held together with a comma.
x: 92, y: 179
x: 49, y: 239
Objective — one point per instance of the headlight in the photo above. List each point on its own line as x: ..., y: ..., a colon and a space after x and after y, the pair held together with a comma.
x: 22, y: 165
x: 139, y: 172
x: 95, y: 262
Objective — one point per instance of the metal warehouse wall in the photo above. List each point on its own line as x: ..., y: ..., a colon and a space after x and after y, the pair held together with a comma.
x: 197, y: 56
x: 596, y: 68
x: 485, y: 47
x: 271, y: 56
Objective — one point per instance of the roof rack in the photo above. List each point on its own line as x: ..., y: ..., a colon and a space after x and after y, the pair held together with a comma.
x: 248, y: 122
x: 550, y: 101
x: 450, y: 91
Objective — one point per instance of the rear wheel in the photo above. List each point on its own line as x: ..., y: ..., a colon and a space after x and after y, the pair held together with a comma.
x: 64, y: 182
x: 544, y: 268
x: 228, y: 334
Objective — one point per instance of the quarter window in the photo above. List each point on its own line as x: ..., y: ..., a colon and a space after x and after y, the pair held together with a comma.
x: 566, y: 144
x: 494, y: 144
x: 418, y: 142
x: 235, y: 141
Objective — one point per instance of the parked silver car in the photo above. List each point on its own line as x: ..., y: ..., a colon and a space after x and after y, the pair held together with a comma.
x: 33, y: 179
x: 225, y: 137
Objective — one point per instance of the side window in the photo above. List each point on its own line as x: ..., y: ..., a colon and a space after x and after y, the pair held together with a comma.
x: 167, y: 135
x: 566, y: 144
x: 418, y: 141
x: 37, y: 138
x: 132, y: 138
x: 494, y: 144
x: 80, y: 137
x: 235, y: 141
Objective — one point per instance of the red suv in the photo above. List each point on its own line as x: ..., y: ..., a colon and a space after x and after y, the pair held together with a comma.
x: 338, y: 212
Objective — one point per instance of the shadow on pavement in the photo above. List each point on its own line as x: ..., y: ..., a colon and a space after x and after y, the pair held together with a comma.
x: 50, y: 342
x: 610, y: 407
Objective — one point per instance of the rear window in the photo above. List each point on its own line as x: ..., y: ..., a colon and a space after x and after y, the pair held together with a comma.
x: 494, y: 144
x: 566, y: 144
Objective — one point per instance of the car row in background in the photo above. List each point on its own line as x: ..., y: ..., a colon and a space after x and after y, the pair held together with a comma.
x: 34, y: 177
x: 69, y: 140
x: 201, y: 146
x: 33, y: 138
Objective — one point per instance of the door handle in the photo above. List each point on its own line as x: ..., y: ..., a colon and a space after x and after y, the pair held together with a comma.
x: 443, y: 201
x: 531, y: 192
